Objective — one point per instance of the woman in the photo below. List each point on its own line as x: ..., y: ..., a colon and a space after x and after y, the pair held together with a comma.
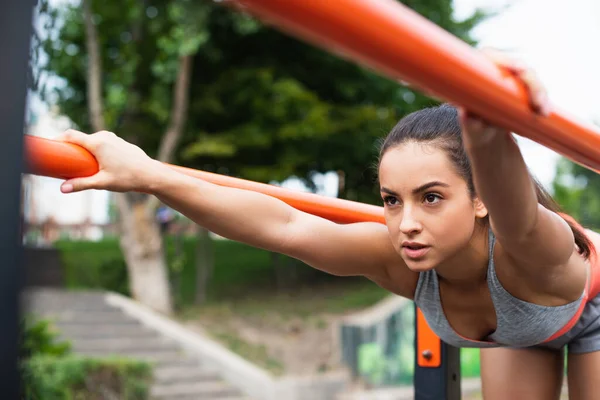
x: 470, y: 236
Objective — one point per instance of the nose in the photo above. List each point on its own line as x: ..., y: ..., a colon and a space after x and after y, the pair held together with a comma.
x: 410, y: 223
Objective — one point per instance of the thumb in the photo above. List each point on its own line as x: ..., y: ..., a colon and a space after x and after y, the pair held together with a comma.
x: 79, y: 184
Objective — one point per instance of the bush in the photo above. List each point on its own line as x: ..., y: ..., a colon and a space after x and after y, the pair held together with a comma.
x: 38, y: 338
x: 94, y: 265
x: 100, y: 265
x: 79, y: 378
x: 50, y: 372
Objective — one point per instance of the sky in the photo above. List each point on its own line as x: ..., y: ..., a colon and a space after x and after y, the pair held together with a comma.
x: 556, y: 38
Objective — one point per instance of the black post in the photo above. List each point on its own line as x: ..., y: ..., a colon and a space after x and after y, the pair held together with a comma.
x: 15, y: 37
x: 437, y: 365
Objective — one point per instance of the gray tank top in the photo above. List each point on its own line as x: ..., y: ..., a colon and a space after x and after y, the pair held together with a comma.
x: 519, y: 323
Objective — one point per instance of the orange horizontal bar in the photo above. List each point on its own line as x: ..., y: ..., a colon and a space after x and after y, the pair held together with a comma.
x: 396, y: 41
x: 55, y: 159
x: 63, y: 160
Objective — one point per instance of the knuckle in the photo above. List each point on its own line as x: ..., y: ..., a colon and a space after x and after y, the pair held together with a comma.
x: 106, y: 134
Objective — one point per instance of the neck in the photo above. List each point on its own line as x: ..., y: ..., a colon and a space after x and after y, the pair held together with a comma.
x: 468, y: 268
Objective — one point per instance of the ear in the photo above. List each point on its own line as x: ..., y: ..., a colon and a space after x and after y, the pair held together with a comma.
x: 480, y: 209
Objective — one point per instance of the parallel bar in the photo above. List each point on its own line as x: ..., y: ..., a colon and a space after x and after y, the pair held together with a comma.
x: 62, y: 160
x: 15, y: 34
x: 396, y: 41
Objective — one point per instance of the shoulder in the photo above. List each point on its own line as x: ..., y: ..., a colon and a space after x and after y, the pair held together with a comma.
x: 542, y: 283
x: 398, y: 279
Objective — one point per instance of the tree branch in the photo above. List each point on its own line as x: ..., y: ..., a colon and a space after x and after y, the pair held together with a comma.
x: 179, y: 108
x: 94, y: 70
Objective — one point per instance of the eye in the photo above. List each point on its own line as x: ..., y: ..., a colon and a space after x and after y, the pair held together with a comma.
x: 432, y: 198
x: 390, y: 201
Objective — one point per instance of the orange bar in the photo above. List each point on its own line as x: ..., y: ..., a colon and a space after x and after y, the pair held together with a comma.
x: 62, y: 160
x: 55, y: 159
x: 397, y: 42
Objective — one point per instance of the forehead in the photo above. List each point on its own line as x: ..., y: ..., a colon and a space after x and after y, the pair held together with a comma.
x: 413, y: 164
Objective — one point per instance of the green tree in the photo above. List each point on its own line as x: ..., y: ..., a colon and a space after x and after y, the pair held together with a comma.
x: 577, y: 190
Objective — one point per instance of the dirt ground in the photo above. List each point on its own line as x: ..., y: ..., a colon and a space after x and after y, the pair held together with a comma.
x: 298, y: 346
x: 293, y: 331
x: 295, y: 337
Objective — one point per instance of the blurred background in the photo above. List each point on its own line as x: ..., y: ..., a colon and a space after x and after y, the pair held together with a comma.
x: 198, y: 84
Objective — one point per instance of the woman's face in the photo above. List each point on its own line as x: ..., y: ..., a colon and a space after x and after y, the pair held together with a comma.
x: 429, y: 211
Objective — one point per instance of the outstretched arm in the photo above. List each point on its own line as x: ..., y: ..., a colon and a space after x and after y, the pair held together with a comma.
x: 528, y: 231
x: 249, y: 217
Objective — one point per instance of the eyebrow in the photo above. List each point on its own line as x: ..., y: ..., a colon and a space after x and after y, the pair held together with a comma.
x: 418, y: 190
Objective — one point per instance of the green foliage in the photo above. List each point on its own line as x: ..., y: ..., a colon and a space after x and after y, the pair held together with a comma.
x: 39, y: 338
x: 51, y: 372
x: 577, y: 190
x: 470, y: 366
x: 101, y: 265
x: 94, y: 265
x: 263, y: 105
x: 78, y: 378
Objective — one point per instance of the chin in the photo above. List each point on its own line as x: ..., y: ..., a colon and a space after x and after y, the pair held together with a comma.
x: 419, y: 265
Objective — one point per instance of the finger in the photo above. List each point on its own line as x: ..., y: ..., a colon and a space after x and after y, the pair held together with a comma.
x: 76, y: 137
x: 545, y: 105
x: 503, y: 60
x: 470, y: 122
x: 74, y: 185
x: 476, y: 130
x: 538, y: 97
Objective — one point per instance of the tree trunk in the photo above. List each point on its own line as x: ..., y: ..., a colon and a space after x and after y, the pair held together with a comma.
x: 94, y: 70
x: 143, y: 248
x: 141, y: 241
x: 205, y: 264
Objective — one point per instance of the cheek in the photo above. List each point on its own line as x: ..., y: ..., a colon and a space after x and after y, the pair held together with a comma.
x: 455, y: 228
x: 392, y: 226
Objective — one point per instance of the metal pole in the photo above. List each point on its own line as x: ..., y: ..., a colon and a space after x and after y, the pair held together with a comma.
x: 15, y: 34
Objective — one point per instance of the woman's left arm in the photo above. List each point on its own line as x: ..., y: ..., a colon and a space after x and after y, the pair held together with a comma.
x: 527, y: 230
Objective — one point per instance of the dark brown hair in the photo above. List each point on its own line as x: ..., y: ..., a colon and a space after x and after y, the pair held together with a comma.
x: 440, y: 125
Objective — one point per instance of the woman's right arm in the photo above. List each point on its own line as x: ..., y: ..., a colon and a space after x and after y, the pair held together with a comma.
x: 249, y: 217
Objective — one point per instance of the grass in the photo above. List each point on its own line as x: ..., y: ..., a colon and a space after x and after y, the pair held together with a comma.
x: 257, y: 354
x: 338, y: 298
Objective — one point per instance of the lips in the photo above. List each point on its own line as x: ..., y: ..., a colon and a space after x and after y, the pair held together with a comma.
x: 415, y: 250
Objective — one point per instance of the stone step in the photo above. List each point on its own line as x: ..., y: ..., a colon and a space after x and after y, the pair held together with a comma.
x: 51, y: 308
x: 97, y: 329
x: 175, y: 374
x: 63, y: 299
x: 62, y: 293
x: 76, y: 331
x: 102, y: 318
x: 195, y: 397
x: 156, y: 357
x: 118, y: 345
x: 201, y: 390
